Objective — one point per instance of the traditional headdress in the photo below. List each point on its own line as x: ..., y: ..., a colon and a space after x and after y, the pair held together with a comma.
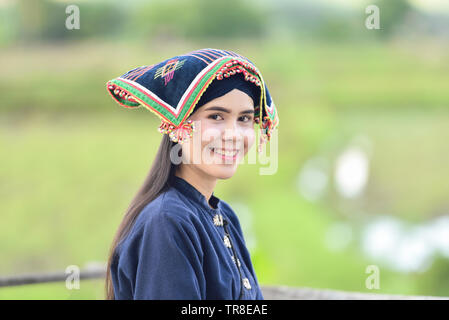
x: 172, y: 88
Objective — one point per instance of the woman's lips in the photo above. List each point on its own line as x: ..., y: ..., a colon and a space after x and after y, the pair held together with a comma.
x: 226, y: 154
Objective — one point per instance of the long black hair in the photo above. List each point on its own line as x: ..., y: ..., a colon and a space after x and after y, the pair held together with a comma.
x: 156, y: 182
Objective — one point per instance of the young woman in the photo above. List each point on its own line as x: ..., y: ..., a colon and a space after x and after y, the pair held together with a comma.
x: 178, y: 240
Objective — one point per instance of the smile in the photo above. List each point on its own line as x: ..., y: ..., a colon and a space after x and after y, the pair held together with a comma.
x: 226, y: 154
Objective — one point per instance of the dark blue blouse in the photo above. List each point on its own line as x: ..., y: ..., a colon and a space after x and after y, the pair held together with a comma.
x: 181, y: 248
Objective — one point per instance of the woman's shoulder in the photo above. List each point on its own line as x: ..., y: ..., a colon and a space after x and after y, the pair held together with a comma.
x: 168, y: 207
x: 166, y: 212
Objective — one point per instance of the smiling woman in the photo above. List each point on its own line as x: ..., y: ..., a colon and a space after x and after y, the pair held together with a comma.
x: 225, y: 124
x: 178, y: 240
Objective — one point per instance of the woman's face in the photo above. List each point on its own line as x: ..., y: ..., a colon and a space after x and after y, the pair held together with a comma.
x: 224, y: 134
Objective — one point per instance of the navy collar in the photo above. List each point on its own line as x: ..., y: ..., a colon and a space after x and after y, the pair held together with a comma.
x: 192, y: 193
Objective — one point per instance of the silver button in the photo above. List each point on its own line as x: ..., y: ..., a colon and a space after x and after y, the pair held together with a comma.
x: 246, y: 283
x: 226, y: 241
x: 218, y: 220
x: 238, y: 261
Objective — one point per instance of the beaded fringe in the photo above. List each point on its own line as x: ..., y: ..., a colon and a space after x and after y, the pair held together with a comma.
x: 237, y: 66
x: 178, y: 134
x: 122, y: 93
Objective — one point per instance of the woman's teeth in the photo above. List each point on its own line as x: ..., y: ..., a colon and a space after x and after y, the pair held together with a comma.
x: 227, y: 153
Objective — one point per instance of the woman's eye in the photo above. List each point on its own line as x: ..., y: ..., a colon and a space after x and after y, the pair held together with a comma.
x: 219, y: 117
x: 214, y: 116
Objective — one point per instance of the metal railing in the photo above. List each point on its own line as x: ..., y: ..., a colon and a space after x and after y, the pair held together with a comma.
x: 269, y: 292
x: 91, y: 272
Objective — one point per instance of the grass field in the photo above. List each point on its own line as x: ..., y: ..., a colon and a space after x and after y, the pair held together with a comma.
x: 72, y: 160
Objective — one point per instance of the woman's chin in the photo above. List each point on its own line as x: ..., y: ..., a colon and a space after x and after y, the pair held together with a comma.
x: 225, y: 172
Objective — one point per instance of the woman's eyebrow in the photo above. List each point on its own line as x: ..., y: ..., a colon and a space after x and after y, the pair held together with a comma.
x: 217, y: 108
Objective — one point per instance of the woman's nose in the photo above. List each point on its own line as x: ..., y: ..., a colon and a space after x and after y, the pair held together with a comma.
x: 231, y: 130
x: 232, y: 134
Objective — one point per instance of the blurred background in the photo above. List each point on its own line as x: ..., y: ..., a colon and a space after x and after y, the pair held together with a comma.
x: 363, y: 174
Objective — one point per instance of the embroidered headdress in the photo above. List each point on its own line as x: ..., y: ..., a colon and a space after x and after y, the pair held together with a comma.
x: 172, y: 88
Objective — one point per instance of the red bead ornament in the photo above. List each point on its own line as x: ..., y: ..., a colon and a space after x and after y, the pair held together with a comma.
x: 236, y: 66
x: 122, y: 93
x: 267, y: 126
x: 265, y: 132
x: 179, y: 134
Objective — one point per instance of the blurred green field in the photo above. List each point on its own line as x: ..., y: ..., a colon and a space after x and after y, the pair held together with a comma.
x: 348, y: 76
x: 72, y: 159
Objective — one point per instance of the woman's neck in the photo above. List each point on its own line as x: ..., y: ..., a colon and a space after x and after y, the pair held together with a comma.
x: 204, y: 184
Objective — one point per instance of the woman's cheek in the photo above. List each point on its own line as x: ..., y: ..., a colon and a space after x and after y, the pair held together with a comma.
x: 249, y: 138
